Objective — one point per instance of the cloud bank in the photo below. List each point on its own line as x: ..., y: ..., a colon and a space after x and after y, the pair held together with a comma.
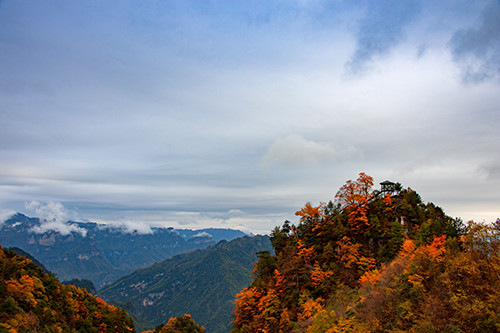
x: 53, y: 217
x: 130, y: 227
x: 296, y: 151
x: 6, y: 214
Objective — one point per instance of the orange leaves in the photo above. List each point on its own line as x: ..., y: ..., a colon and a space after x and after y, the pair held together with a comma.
x: 310, y: 308
x: 358, y: 219
x: 180, y: 324
x: 22, y: 289
x: 307, y: 253
x: 408, y: 248
x: 313, y: 215
x: 370, y: 277
x: 310, y: 212
x: 425, y: 253
x: 318, y: 275
x: 388, y: 202
x: 354, y: 196
x: 279, y: 282
x: 354, y: 193
x: 101, y: 303
x: 269, y: 311
x: 257, y: 311
x: 103, y: 327
x: 353, y: 263
x: 35, y: 302
x: 366, y: 263
x: 432, y: 286
x: 436, y: 249
x: 331, y: 255
x: 245, y: 306
x: 347, y: 252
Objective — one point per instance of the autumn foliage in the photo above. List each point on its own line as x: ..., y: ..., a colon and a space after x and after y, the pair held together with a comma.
x: 34, y: 301
x: 180, y: 324
x: 375, y: 262
x: 354, y: 198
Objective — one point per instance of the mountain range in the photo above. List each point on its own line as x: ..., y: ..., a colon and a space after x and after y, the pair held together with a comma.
x: 203, y: 283
x: 99, y: 253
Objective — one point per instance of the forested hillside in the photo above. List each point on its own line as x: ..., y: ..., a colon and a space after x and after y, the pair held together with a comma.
x: 32, y: 300
x: 375, y: 261
x: 202, y: 283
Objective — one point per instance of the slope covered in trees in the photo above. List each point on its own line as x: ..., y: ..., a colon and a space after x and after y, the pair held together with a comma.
x: 375, y: 261
x: 179, y: 324
x: 32, y: 300
x: 202, y: 283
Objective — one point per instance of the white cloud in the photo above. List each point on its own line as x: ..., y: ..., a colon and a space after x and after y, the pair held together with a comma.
x: 249, y: 231
x: 234, y: 213
x: 5, y: 214
x: 50, y: 212
x: 203, y: 234
x: 60, y: 227
x: 53, y: 217
x: 130, y: 227
x: 297, y: 152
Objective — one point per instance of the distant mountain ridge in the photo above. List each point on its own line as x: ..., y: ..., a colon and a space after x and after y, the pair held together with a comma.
x: 202, y: 283
x: 101, y: 254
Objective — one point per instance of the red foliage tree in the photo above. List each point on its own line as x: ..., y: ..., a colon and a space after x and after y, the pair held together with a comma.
x: 354, y: 197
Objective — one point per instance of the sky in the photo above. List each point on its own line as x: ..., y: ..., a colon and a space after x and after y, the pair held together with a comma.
x: 234, y: 114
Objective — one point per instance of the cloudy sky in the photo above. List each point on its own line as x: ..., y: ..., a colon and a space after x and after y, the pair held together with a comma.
x: 237, y: 113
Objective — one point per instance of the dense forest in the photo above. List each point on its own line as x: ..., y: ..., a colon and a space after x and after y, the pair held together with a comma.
x: 32, y: 300
x: 375, y: 261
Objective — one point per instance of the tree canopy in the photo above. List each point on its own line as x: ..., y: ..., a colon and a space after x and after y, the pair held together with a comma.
x: 373, y: 261
x: 32, y: 300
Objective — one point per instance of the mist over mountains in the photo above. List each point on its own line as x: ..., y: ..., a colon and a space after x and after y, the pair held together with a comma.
x: 98, y: 252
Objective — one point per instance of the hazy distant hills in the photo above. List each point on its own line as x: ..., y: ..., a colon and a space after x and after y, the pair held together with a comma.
x: 203, y: 283
x: 98, y: 253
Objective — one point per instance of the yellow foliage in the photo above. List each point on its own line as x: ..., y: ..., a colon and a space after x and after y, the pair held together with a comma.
x: 408, y: 248
x: 370, y: 277
x: 101, y: 303
x: 318, y: 276
x: 310, y: 308
x: 416, y: 281
x: 304, y: 251
x: 22, y: 289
